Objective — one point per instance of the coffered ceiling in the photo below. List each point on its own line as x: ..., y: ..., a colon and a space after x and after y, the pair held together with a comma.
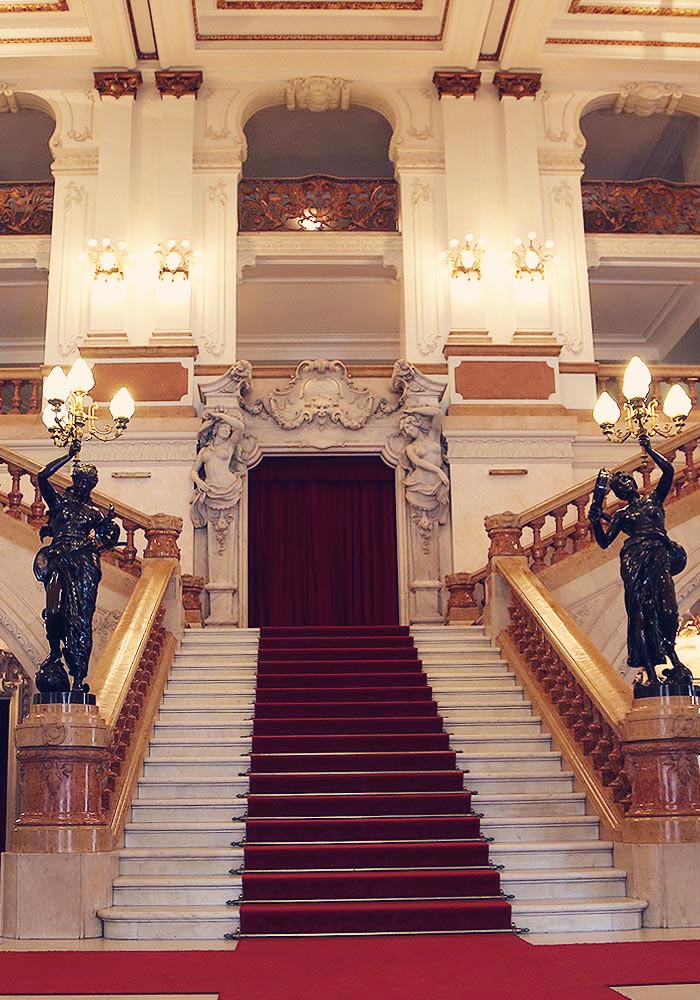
x: 562, y: 36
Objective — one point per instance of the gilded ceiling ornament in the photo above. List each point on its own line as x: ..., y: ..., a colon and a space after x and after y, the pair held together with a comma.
x: 119, y: 83
x: 178, y: 82
x: 517, y: 84
x: 457, y: 83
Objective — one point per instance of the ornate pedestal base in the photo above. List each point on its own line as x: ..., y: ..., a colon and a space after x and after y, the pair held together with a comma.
x: 61, y: 761
x: 661, y: 738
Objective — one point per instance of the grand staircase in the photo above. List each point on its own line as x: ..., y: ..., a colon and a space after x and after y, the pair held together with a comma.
x: 179, y: 870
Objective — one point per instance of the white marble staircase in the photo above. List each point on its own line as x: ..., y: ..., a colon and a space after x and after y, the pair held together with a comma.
x: 174, y: 877
x: 559, y: 871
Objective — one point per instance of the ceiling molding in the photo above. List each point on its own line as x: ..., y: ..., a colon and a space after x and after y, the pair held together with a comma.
x: 319, y: 5
x: 631, y: 10
x: 292, y: 37
x: 495, y: 56
x: 625, y: 42
x: 41, y: 7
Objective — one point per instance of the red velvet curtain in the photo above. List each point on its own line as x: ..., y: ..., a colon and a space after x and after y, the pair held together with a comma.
x: 322, y: 542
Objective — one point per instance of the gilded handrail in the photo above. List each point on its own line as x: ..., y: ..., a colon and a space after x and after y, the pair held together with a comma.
x: 116, y: 667
x: 596, y: 675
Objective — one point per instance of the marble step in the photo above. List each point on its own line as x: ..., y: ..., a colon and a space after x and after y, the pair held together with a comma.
x: 182, y: 862
x: 213, y: 732
x: 487, y: 696
x: 196, y: 768
x: 453, y: 715
x: 513, y: 782
x: 172, y: 890
x: 467, y: 671
x: 227, y: 787
x: 487, y: 727
x: 170, y: 923
x: 505, y: 742
x: 186, y: 835
x: 202, y: 810
x: 183, y: 714
x: 565, y: 916
x: 207, y: 702
x: 240, y: 686
x: 528, y: 829
x: 581, y: 883
x: 201, y: 658
x: 547, y: 803
x: 548, y: 855
x: 243, y: 672
x: 541, y: 762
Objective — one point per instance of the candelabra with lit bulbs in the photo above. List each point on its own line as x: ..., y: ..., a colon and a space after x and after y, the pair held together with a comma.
x: 70, y: 415
x: 108, y: 259
x: 174, y: 259
x: 641, y: 414
x: 465, y: 257
x: 531, y: 260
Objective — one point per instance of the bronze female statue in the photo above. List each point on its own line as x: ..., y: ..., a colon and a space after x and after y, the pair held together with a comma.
x: 69, y: 568
x: 648, y: 562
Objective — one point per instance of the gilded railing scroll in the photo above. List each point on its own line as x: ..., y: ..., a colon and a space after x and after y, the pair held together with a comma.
x: 26, y: 209
x: 317, y: 203
x: 644, y: 206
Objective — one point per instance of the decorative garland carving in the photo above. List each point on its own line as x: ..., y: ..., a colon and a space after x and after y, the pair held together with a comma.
x: 646, y: 206
x: 26, y: 209
x: 457, y: 83
x: 323, y: 203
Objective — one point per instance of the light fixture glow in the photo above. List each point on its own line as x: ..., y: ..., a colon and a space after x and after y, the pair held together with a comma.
x: 122, y: 406
x: 678, y: 403
x: 606, y: 411
x: 80, y: 378
x: 108, y: 260
x: 56, y: 388
x: 640, y: 412
x: 637, y: 379
x: 174, y: 259
x: 465, y: 257
x: 530, y: 260
x: 71, y: 415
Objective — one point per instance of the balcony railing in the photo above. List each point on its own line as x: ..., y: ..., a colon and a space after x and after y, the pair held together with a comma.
x: 20, y: 390
x: 318, y: 203
x: 609, y: 378
x: 26, y: 209
x: 646, y: 206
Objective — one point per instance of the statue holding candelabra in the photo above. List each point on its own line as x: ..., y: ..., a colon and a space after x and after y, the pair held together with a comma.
x: 649, y: 559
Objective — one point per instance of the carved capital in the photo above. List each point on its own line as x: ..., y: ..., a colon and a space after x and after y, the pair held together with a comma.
x: 457, y: 82
x: 517, y: 84
x: 178, y: 82
x: 120, y: 83
x: 162, y: 537
x: 192, y: 587
x: 504, y: 532
x: 461, y: 606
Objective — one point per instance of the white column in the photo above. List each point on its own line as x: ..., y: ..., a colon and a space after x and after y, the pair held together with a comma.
x: 421, y: 179
x: 520, y: 124
x: 108, y: 300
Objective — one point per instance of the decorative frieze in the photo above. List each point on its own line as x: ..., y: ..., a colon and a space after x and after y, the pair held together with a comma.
x: 517, y: 84
x: 178, y: 82
x: 457, y: 82
x: 119, y: 83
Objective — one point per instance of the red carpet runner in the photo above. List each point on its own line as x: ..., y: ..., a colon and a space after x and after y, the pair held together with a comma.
x: 358, y: 822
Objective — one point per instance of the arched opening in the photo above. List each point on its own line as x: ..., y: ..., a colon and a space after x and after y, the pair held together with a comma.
x: 628, y: 147
x: 642, y: 177
x: 307, y: 173
x: 26, y: 209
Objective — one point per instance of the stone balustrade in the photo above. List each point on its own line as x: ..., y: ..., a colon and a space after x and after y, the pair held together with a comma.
x: 20, y: 390
x: 642, y: 206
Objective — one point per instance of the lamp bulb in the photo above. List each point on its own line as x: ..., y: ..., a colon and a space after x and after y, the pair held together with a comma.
x: 677, y: 403
x: 80, y: 377
x: 532, y: 259
x: 532, y: 235
x: 56, y: 385
x: 637, y: 379
x: 122, y: 405
x: 606, y: 411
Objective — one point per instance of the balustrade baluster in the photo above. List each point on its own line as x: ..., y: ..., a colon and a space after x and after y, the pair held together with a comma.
x: 558, y: 540
x: 690, y: 473
x: 128, y: 552
x: 537, y: 549
x: 16, y: 399
x: 582, y: 532
x: 14, y: 497
x: 35, y: 397
x: 37, y: 511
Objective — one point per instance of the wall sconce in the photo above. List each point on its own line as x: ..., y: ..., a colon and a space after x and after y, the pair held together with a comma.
x: 465, y: 258
x: 174, y: 259
x: 108, y: 260
x: 530, y: 260
x: 70, y: 415
x: 641, y: 416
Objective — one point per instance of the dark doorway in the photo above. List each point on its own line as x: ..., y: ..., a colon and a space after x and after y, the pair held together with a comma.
x: 4, y: 762
x: 322, y: 542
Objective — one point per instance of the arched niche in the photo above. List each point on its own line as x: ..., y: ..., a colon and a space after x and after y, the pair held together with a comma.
x: 352, y: 143
x: 27, y: 127
x: 620, y: 144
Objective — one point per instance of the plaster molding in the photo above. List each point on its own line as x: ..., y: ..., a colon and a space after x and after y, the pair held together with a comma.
x: 490, y: 446
x: 417, y: 159
x: 252, y: 246
x: 16, y: 249
x: 560, y: 161
x: 318, y: 93
x: 228, y: 160
x: 611, y: 246
x: 75, y: 161
x: 648, y: 98
x: 147, y: 450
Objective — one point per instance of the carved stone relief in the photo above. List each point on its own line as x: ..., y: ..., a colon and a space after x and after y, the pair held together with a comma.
x: 648, y: 98
x: 318, y: 93
x: 13, y: 679
x: 320, y: 408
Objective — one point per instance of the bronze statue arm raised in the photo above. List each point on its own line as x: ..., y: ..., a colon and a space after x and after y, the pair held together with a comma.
x: 46, y: 489
x: 663, y: 487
